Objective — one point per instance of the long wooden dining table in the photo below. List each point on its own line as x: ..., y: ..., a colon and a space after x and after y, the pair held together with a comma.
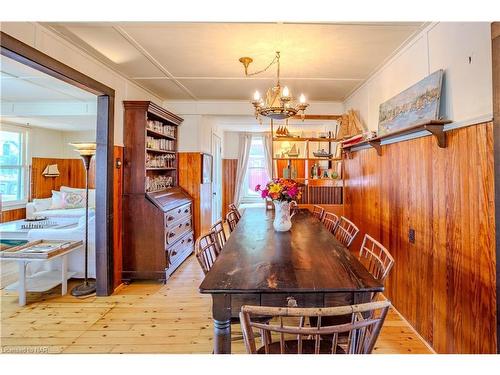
x: 304, y: 267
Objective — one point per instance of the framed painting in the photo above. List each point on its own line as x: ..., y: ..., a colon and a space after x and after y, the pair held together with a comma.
x: 416, y: 105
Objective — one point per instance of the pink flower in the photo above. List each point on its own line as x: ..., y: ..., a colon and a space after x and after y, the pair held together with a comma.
x: 264, y: 193
x: 257, y: 188
x: 292, y: 191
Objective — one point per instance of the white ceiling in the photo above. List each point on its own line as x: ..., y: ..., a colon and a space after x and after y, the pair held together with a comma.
x: 199, y: 61
x: 35, y: 98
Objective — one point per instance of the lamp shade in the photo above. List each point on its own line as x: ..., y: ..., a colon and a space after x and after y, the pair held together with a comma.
x: 84, y: 148
x: 51, y: 170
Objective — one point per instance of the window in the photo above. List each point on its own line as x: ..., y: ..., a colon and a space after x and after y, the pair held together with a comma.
x: 12, y: 165
x: 256, y: 172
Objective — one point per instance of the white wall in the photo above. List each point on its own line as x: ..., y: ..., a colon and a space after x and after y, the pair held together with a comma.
x: 467, y: 90
x: 39, y: 37
x: 231, y: 145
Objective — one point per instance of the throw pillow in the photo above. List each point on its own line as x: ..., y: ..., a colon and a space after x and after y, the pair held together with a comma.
x: 72, y: 200
x: 57, y: 203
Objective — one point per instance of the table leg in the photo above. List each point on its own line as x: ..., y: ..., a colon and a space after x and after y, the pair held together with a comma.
x: 64, y: 275
x: 221, y: 311
x: 22, y: 282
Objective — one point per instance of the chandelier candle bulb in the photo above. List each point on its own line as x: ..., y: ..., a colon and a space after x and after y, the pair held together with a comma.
x: 256, y: 96
x: 286, y: 92
x: 302, y: 99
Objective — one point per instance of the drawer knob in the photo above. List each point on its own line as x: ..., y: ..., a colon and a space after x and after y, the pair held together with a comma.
x: 189, y: 240
x: 291, y: 302
x: 174, y: 253
x: 170, y: 218
x: 171, y: 234
x: 187, y: 224
x: 186, y: 210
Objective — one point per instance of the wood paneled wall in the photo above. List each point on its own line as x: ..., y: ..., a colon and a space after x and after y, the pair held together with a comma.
x: 229, y: 167
x: 72, y: 173
x: 495, y: 46
x: 117, y: 217
x: 190, y: 180
x: 11, y: 215
x: 444, y: 283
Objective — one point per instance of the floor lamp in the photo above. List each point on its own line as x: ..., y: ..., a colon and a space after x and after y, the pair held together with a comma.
x: 86, y: 151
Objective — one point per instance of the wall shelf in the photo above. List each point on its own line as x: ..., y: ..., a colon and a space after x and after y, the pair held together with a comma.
x: 435, y: 128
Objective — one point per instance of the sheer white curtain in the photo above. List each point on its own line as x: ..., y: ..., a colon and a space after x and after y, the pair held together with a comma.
x: 244, y: 152
x: 267, y: 141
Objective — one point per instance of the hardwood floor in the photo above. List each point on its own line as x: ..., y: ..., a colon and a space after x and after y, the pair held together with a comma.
x: 143, y: 317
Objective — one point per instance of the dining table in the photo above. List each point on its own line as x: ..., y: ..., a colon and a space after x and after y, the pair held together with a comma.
x: 303, y: 267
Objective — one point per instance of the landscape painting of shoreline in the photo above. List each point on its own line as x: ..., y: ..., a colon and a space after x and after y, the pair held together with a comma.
x: 415, y: 105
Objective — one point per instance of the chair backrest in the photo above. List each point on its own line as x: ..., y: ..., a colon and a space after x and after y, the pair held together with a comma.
x: 376, y: 258
x: 232, y: 219
x: 233, y: 207
x: 330, y: 221
x: 366, y: 321
x: 206, y: 251
x: 219, y: 235
x: 318, y: 212
x: 346, y: 231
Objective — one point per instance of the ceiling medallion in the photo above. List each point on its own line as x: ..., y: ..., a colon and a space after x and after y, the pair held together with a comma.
x: 278, y: 103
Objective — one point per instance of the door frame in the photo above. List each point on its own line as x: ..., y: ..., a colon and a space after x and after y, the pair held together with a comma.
x: 27, y: 55
x: 219, y: 188
x: 495, y: 49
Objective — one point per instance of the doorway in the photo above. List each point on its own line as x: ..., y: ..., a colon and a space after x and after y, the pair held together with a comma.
x: 217, y: 179
x: 25, y: 54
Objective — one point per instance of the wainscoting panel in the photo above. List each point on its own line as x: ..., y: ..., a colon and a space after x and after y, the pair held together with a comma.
x: 72, y: 173
x: 190, y: 180
x: 229, y: 167
x: 11, y: 215
x: 443, y: 283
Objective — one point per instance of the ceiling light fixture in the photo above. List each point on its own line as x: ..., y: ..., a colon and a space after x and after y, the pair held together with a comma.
x: 278, y: 103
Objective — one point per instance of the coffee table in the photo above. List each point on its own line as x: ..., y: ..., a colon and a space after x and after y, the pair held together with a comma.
x: 44, y: 280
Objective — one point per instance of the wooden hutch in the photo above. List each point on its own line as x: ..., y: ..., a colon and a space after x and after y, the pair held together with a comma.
x: 157, y: 219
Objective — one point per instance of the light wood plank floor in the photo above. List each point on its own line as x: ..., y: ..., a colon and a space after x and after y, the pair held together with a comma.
x: 143, y: 317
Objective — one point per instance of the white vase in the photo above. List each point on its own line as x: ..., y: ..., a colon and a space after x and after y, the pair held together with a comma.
x: 282, y: 218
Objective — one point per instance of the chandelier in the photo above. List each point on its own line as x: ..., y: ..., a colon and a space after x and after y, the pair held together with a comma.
x: 278, y: 103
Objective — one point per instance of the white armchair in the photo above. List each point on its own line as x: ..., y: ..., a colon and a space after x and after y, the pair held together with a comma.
x: 76, y: 259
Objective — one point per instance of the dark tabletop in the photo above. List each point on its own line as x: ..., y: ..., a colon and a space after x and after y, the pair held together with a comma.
x: 306, y: 259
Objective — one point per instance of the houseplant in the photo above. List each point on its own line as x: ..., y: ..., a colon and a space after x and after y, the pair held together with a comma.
x: 282, y: 192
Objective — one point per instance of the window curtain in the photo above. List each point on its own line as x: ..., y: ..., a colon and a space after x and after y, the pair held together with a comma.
x: 267, y: 141
x: 244, y: 152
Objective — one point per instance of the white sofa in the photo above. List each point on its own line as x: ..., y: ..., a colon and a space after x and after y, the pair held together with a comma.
x: 76, y: 259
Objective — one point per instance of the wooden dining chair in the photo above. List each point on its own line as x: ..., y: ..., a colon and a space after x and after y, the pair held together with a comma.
x: 206, y: 251
x: 362, y: 330
x: 232, y: 207
x: 376, y: 258
x: 217, y: 231
x: 318, y: 212
x: 232, y: 219
x: 330, y: 221
x: 346, y: 231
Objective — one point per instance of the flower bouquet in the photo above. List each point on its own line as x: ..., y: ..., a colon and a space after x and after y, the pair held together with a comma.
x: 282, y: 192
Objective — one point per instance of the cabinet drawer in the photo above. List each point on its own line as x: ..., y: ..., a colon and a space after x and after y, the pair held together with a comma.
x: 180, y: 248
x: 177, y: 230
x: 172, y: 216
